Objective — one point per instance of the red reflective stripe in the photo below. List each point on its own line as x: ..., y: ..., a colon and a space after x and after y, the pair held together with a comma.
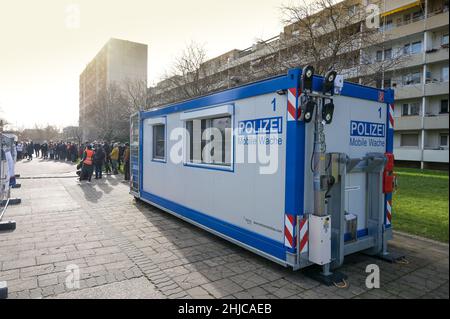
x: 304, y: 241
x: 288, y: 236
x: 302, y: 222
x: 291, y: 219
x: 291, y: 110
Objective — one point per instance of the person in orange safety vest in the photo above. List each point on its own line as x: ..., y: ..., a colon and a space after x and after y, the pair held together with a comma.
x: 88, y: 161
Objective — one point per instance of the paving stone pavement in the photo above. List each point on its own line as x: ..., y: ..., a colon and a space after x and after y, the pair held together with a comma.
x: 116, y: 242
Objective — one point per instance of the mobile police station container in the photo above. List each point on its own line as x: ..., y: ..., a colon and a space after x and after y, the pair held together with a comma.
x: 325, y: 191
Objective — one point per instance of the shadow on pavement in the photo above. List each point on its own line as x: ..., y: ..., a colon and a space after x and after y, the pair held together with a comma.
x: 90, y: 192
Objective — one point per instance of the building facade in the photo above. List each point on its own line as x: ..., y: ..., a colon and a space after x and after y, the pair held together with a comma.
x: 419, y: 31
x: 408, y: 52
x: 118, y: 62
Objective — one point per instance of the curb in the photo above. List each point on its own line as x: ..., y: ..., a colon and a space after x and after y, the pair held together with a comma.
x: 431, y: 241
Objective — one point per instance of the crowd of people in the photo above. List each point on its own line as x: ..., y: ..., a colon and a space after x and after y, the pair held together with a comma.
x: 54, y: 150
x: 99, y: 157
x: 94, y: 157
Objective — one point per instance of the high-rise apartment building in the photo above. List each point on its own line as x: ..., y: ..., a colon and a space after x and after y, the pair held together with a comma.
x: 118, y: 62
x: 419, y: 31
x: 408, y: 52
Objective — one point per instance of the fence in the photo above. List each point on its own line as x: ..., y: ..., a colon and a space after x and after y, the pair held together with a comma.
x: 7, y: 178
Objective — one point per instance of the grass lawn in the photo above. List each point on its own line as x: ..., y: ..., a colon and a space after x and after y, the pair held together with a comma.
x: 420, y: 204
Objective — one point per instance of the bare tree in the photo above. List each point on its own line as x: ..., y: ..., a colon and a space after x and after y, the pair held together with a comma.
x: 111, y: 114
x: 41, y: 133
x: 330, y: 34
x: 135, y: 93
x: 190, y: 75
x: 74, y: 133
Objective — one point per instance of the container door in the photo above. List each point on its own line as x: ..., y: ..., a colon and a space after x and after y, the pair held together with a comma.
x: 134, y: 154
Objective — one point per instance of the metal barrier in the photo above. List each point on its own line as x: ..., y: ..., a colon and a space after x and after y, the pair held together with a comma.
x: 7, y: 179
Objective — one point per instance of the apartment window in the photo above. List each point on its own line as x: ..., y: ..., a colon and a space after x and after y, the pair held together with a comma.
x: 418, y: 15
x: 387, y: 83
x: 411, y: 109
x: 407, y: 49
x: 388, y: 54
x: 444, y: 107
x: 412, y: 78
x: 444, y: 39
x: 202, y: 132
x: 443, y: 140
x: 159, y: 142
x: 389, y: 25
x: 444, y: 74
x: 416, y: 47
x: 405, y: 109
x: 379, y: 56
x: 409, y: 140
x: 407, y: 18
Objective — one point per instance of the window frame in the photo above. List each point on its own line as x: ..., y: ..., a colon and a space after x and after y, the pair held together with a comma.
x: 415, y: 43
x: 441, y: 135
x: 444, y: 36
x: 407, y: 49
x: 409, y: 107
x: 388, y: 54
x: 443, y: 79
x: 154, y: 122
x: 209, y: 113
x: 379, y: 56
x: 443, y: 101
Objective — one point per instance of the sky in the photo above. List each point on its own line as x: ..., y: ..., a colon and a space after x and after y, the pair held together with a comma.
x: 45, y: 44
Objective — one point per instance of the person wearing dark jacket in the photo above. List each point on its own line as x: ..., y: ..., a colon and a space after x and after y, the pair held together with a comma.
x: 107, y: 150
x: 99, y: 159
x: 30, y: 150
x: 37, y: 149
x: 126, y: 159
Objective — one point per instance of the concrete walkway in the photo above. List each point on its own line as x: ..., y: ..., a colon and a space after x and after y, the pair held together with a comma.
x: 123, y: 249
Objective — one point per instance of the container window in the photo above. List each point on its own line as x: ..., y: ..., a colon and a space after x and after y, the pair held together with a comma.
x: 209, y: 141
x: 159, y: 142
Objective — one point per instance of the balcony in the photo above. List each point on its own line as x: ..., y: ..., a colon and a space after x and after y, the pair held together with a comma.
x: 435, y: 155
x: 416, y: 26
x: 373, y: 66
x: 410, y: 61
x: 439, y: 55
x: 408, y: 91
x: 437, y: 20
x: 405, y: 123
x: 436, y: 88
x: 408, y: 154
x: 436, y: 122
